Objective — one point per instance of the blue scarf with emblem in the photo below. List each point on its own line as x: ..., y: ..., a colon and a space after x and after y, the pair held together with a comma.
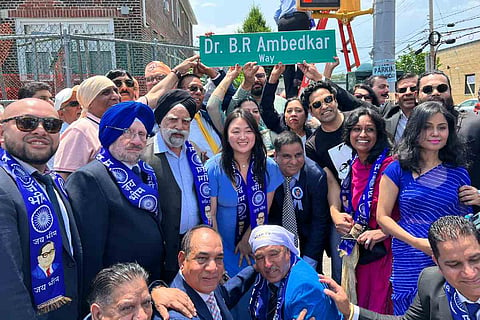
x: 362, y: 214
x: 458, y: 309
x: 48, y: 286
x: 139, y: 194
x: 251, y: 201
x: 200, y: 179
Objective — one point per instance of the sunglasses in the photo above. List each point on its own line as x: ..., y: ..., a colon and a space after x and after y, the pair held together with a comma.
x: 319, y: 103
x: 30, y: 123
x: 441, y: 88
x: 128, y: 82
x: 159, y: 78
x: 363, y: 96
x: 196, y: 88
x: 403, y: 90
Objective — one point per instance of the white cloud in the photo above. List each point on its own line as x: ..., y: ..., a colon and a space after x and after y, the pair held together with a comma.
x: 208, y: 4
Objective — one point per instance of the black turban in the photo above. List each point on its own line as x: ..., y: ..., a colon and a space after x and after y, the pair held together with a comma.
x: 170, y: 100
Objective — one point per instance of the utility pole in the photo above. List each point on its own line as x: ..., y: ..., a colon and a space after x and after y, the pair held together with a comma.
x: 431, y: 57
x: 384, y: 40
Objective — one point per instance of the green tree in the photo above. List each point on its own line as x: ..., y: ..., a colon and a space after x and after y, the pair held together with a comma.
x: 254, y: 22
x: 411, y: 62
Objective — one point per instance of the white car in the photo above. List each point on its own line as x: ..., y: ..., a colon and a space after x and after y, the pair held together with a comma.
x: 467, y: 106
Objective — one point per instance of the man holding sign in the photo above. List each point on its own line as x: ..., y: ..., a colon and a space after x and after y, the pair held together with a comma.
x: 289, y: 19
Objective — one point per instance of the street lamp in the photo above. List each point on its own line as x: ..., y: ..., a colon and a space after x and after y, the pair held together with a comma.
x: 434, y: 40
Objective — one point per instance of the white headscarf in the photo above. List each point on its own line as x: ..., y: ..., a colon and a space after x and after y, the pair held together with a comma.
x: 268, y: 235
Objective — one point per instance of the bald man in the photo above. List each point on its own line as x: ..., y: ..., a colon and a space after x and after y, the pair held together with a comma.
x: 34, y: 210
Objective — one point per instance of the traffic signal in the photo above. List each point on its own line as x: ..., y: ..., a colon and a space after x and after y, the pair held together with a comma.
x: 305, y: 5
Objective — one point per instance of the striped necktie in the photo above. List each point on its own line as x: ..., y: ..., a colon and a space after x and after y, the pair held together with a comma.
x: 213, y: 307
x: 289, y: 219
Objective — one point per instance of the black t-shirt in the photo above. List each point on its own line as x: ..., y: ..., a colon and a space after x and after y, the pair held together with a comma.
x: 328, y: 150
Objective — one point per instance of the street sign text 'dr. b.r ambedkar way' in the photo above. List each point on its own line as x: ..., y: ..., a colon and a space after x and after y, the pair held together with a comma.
x: 268, y: 48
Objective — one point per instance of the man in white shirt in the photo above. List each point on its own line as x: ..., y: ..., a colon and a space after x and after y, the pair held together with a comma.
x: 180, y: 176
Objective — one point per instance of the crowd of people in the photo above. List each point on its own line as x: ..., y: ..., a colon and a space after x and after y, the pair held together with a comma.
x: 181, y: 203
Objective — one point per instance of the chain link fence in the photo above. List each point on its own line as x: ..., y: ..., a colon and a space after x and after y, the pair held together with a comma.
x: 65, y: 59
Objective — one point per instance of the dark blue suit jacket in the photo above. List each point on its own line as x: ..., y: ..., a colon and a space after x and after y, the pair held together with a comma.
x: 111, y: 228
x: 314, y: 220
x: 227, y: 295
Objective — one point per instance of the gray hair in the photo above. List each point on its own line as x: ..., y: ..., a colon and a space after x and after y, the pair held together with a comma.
x: 109, y: 279
x: 450, y: 228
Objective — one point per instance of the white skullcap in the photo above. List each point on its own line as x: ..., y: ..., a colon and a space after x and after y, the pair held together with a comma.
x: 61, y: 97
x: 272, y: 235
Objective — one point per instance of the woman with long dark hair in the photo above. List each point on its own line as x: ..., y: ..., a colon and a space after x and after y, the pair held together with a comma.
x: 426, y: 179
x: 242, y: 182
x: 368, y: 248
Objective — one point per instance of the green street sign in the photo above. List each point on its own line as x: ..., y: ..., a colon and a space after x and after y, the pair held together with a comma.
x: 268, y: 48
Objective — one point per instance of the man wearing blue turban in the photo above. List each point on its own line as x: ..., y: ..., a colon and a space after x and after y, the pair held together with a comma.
x: 115, y: 197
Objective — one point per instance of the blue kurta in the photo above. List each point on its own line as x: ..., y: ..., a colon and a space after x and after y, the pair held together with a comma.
x: 422, y: 201
x: 222, y: 188
x: 304, y: 291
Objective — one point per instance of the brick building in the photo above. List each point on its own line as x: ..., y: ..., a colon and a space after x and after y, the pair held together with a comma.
x: 56, y: 44
x: 462, y: 65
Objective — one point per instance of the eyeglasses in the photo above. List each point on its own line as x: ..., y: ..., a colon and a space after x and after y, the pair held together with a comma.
x: 441, y: 88
x: 260, y: 75
x: 362, y: 96
x: 29, y: 123
x: 73, y: 104
x: 129, y: 134
x: 46, y: 254
x: 319, y: 103
x: 196, y: 88
x: 158, y: 77
x: 128, y: 82
x: 403, y: 90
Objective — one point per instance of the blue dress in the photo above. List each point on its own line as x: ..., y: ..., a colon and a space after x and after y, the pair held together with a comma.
x: 422, y: 200
x: 222, y: 188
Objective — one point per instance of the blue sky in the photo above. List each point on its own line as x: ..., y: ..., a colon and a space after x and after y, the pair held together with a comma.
x: 223, y: 17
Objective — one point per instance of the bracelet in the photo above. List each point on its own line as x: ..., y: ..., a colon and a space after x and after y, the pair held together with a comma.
x: 350, y: 317
x: 177, y: 73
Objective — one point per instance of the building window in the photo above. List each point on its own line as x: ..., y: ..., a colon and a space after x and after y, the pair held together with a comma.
x: 166, y: 6
x: 44, y: 57
x: 470, y: 84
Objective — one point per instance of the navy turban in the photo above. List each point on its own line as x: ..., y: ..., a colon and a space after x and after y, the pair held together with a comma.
x: 122, y: 116
x: 170, y: 100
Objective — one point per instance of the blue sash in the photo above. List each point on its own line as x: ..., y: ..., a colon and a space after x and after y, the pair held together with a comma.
x: 200, y: 179
x: 48, y: 291
x: 457, y: 308
x: 139, y: 194
x: 362, y: 214
x: 259, y: 300
x: 251, y: 199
